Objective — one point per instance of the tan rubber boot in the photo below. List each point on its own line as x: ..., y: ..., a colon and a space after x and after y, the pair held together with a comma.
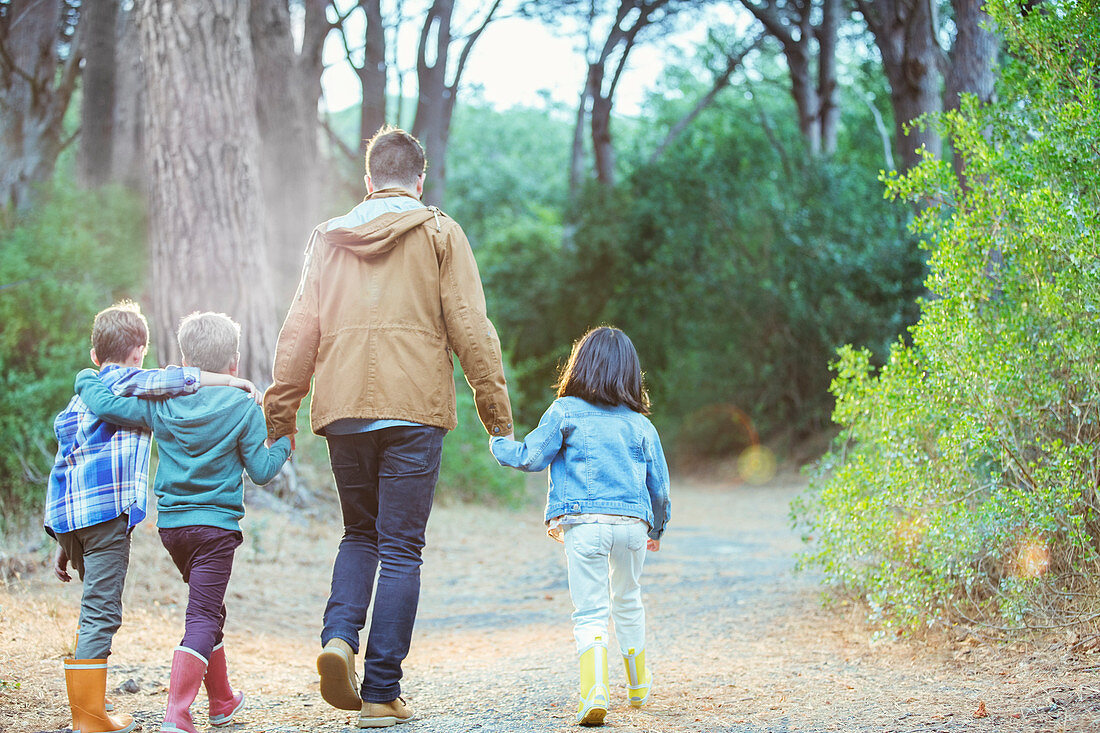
x: 86, y: 681
x: 638, y: 679
x: 594, y: 691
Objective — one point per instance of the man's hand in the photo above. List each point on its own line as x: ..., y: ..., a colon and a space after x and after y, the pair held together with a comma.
x: 653, y: 545
x: 60, y: 565
x: 247, y: 386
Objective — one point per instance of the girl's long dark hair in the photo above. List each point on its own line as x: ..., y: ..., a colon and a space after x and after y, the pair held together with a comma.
x: 604, y: 368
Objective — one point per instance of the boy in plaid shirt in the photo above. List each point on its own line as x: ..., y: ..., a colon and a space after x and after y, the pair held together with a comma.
x: 97, y: 494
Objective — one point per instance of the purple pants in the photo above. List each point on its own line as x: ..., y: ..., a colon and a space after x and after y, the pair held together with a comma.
x: 204, y: 555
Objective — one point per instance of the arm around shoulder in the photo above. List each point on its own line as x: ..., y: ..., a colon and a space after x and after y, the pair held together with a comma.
x: 131, y: 412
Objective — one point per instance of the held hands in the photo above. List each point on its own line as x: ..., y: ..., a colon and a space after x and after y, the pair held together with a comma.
x: 60, y: 565
x: 269, y: 442
x: 653, y: 545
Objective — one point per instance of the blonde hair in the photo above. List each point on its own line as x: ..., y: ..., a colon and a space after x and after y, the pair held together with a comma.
x: 209, y: 341
x: 118, y: 330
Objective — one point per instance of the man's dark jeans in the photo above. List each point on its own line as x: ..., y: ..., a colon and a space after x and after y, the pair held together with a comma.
x: 386, y: 481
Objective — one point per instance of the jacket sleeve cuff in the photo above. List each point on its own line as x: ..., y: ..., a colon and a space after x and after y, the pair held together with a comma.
x: 276, y: 430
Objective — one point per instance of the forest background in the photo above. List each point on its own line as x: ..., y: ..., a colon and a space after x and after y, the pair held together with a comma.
x: 735, y: 227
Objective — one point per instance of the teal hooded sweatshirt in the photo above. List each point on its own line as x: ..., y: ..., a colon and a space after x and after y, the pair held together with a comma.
x: 205, y: 440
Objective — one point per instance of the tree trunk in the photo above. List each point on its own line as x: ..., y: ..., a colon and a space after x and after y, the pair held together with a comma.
x: 804, y: 92
x: 433, y: 107
x: 206, y: 202
x: 602, y: 149
x: 288, y: 89
x: 128, y: 164
x: 577, y: 166
x: 814, y: 95
x: 372, y: 75
x: 971, y: 63
x: 829, y: 110
x: 906, y: 38
x: 97, y: 107
x: 36, y: 86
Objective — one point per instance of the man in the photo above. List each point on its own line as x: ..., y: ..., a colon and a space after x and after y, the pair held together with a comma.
x: 387, y: 291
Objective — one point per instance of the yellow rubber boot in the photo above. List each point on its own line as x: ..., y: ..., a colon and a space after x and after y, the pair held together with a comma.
x: 107, y: 704
x: 594, y: 691
x: 86, y: 681
x: 638, y: 678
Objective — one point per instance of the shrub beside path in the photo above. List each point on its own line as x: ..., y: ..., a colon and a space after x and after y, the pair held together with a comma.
x: 739, y: 643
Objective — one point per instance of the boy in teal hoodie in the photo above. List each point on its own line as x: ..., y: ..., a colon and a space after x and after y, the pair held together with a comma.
x: 205, y: 441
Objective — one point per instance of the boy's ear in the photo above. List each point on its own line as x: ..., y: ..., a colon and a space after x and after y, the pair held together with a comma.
x: 91, y: 353
x: 236, y: 363
x: 136, y: 357
x: 370, y: 185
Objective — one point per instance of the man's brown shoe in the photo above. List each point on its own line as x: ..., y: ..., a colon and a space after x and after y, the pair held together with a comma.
x: 384, y: 714
x: 339, y: 685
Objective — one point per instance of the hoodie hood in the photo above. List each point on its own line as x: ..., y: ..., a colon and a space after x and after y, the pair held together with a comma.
x: 199, y: 422
x: 380, y: 233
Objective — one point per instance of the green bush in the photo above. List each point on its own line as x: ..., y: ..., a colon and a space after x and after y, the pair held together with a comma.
x: 74, y: 254
x: 964, y: 483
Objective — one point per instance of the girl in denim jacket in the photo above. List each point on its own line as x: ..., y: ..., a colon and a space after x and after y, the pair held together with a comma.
x: 607, y: 501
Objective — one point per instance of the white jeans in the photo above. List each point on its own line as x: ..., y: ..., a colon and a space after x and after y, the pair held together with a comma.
x: 605, y: 567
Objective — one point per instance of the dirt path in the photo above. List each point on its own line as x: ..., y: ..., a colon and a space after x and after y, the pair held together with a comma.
x: 738, y: 642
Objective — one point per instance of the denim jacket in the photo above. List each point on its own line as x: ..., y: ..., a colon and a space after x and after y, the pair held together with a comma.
x: 603, y: 460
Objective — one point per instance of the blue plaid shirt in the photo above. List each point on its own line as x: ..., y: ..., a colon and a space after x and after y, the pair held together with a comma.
x: 102, y: 470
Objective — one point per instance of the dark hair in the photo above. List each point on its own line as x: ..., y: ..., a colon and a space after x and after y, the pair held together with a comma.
x: 394, y: 158
x: 118, y: 330
x: 604, y: 368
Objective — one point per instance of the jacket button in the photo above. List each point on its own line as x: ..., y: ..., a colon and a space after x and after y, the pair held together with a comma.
x: 496, y: 430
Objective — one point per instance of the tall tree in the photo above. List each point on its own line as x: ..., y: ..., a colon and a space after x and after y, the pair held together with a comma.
x: 288, y: 88
x: 905, y: 33
x: 442, y: 54
x: 972, y: 61
x: 598, y: 98
x: 438, y: 77
x: 206, y: 202
x: 807, y: 33
x: 39, y: 66
x: 97, y: 107
x: 127, y: 125
x: 369, y: 64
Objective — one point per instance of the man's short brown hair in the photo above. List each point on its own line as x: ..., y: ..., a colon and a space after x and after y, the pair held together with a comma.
x: 209, y: 341
x: 118, y: 330
x: 394, y: 158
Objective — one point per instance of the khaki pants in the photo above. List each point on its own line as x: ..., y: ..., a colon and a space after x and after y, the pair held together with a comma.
x: 101, y: 554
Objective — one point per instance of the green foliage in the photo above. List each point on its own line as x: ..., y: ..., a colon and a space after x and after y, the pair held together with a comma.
x: 737, y: 268
x: 469, y: 471
x: 73, y: 255
x: 964, y: 483
x: 504, y: 167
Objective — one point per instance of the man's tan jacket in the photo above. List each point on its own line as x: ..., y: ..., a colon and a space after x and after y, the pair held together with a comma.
x: 380, y: 309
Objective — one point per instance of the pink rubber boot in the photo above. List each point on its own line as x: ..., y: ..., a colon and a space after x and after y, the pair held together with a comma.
x: 224, y: 703
x: 188, y: 669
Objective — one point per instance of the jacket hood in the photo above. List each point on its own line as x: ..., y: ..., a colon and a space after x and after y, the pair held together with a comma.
x: 198, y: 422
x: 382, y: 233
